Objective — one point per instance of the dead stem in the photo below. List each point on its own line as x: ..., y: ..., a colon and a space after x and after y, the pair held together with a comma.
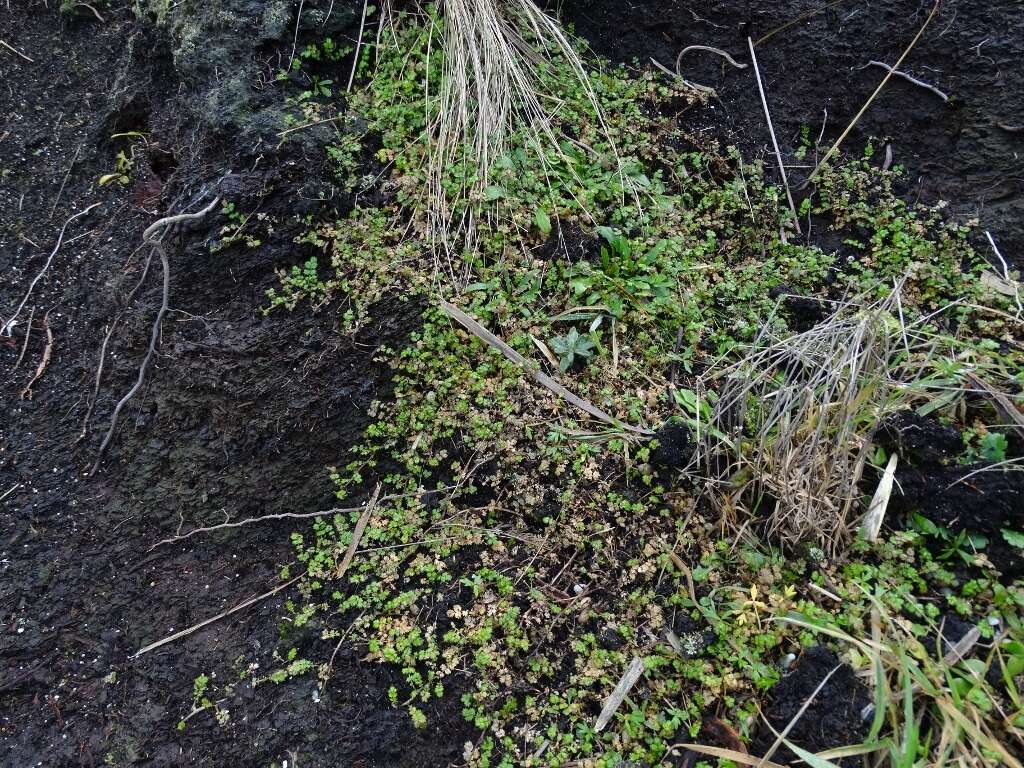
x: 26, y: 393
x: 771, y: 130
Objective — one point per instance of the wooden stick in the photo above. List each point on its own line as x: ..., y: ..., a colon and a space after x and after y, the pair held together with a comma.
x: 359, y: 46
x: 775, y: 143
x: 47, y: 352
x: 540, y: 377
x: 613, y: 702
x: 218, y: 617
x: 357, y: 533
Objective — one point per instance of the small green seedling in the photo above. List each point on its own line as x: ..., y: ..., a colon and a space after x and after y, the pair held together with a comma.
x: 570, y: 347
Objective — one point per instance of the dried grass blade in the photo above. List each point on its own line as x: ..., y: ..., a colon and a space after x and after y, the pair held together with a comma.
x: 625, y: 685
x: 540, y: 377
x: 727, y: 754
x: 880, y: 501
x: 357, y: 533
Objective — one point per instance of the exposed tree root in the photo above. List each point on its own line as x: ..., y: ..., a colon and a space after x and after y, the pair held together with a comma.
x: 149, y: 238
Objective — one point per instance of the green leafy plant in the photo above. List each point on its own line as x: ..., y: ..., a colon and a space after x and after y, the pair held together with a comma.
x: 123, y: 165
x: 624, y: 277
x: 571, y: 347
x: 1013, y: 538
x: 993, y: 447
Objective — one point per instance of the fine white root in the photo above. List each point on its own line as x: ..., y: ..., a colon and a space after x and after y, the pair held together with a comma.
x: 103, y: 349
x: 5, y: 329
x: 910, y: 79
x: 149, y: 237
x: 1008, y: 279
x: 719, y: 51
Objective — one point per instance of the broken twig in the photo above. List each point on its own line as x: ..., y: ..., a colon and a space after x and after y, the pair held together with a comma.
x: 26, y: 393
x: 771, y: 130
x: 540, y: 377
x: 359, y: 46
x: 357, y: 533
x: 218, y: 617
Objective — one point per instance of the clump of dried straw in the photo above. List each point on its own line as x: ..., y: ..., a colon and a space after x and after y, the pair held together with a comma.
x: 790, y: 434
x: 491, y: 88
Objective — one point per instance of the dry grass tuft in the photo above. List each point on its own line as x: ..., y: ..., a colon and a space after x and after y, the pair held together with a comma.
x: 491, y: 87
x: 790, y: 433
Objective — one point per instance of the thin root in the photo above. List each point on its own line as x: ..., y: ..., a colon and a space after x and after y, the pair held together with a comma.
x: 26, y: 393
x: 6, y: 327
x: 148, y: 238
x: 910, y: 79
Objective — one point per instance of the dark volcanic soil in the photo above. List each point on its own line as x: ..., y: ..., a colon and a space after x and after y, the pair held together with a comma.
x: 834, y: 717
x: 240, y: 415
x: 968, y: 151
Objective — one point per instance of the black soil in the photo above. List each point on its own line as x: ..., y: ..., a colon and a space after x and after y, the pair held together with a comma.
x: 982, y: 498
x: 240, y: 416
x: 834, y: 717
